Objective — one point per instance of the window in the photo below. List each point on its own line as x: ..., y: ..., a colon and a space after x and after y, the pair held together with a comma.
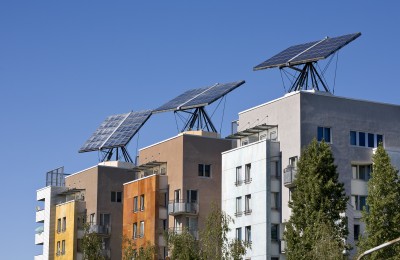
x: 64, y: 224
x: 356, y: 232
x: 92, y: 219
x: 371, y: 140
x: 247, y: 205
x: 116, y: 196
x: 362, y: 172
x: 275, y: 170
x: 247, y: 235
x: 135, y: 233
x: 191, y: 196
x: 238, y: 176
x: 274, y: 232
x: 239, y: 233
x: 293, y: 161
x: 177, y: 195
x: 205, y: 170
x: 359, y: 202
x: 324, y: 133
x: 379, y: 139
x: 58, y: 248
x: 238, y: 206
x: 247, y: 173
x: 141, y: 202
x: 274, y: 200
x: 141, y: 229
x: 105, y: 220
x: 59, y: 225
x: 353, y: 137
x: 63, y: 247
x: 135, y: 204
x: 361, y: 138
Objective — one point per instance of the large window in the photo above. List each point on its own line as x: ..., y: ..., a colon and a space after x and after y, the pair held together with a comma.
x: 247, y: 173
x: 247, y: 209
x: 359, y: 202
x: 361, y: 172
x: 135, y: 204
x: 205, y: 170
x: 248, y: 234
x: 363, y: 139
x: 324, y: 133
x: 238, y: 212
x: 274, y: 232
x: 238, y: 176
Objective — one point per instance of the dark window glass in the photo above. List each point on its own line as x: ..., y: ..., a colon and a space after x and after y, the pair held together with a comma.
x: 361, y: 138
x: 368, y: 170
x: 274, y: 231
x: 207, y: 172
x: 356, y: 232
x: 353, y: 137
x: 327, y: 135
x: 363, y: 202
x: 119, y: 196
x: 201, y: 169
x: 320, y: 133
x: 371, y: 140
x: 362, y: 172
x: 113, y: 196
x: 379, y: 139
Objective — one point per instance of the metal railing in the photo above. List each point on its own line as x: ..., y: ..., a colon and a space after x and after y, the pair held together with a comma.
x: 289, y: 175
x: 100, y: 229
x: 183, y: 207
x: 179, y: 230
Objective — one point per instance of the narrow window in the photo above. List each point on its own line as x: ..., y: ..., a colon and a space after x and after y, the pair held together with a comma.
x: 201, y: 170
x: 238, y: 206
x: 113, y: 196
x: 119, y: 196
x: 59, y: 225
x: 58, y: 248
x: 64, y: 224
x: 135, y: 204
x: 248, y: 234
x: 141, y: 228
x: 379, y: 139
x: 141, y: 202
x: 275, y: 200
x: 247, y: 173
x: 177, y: 195
x: 63, y: 247
x: 274, y: 232
x: 361, y: 139
x: 207, y: 170
x: 320, y: 134
x: 239, y: 233
x: 353, y: 138
x: 371, y: 140
x: 356, y: 232
x: 248, y: 204
x: 135, y: 233
x: 238, y: 176
x: 327, y: 134
x: 92, y: 219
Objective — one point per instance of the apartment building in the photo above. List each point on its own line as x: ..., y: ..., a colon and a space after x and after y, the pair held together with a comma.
x: 178, y: 180
x: 353, y: 128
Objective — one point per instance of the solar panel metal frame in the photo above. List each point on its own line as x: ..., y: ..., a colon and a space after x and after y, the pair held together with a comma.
x: 109, y: 135
x: 198, y: 98
x: 280, y: 60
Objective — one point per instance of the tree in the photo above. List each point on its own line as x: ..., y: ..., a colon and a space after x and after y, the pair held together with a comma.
x: 214, y: 242
x: 318, y: 200
x: 182, y: 246
x: 129, y: 250
x: 91, y: 244
x: 382, y: 216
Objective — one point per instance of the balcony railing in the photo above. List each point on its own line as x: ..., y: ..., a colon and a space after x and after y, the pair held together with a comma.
x: 100, y: 229
x: 179, y: 230
x: 289, y: 175
x: 183, y: 207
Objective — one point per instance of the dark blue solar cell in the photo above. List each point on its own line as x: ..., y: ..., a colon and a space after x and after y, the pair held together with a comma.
x: 325, y: 48
x: 116, y: 131
x: 308, y: 52
x: 211, y: 94
x: 284, y: 56
x: 179, y: 100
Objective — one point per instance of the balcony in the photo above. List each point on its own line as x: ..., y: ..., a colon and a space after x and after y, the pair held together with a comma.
x: 289, y: 175
x: 40, y: 216
x: 39, y: 238
x: 179, y: 230
x: 183, y: 207
x: 100, y: 229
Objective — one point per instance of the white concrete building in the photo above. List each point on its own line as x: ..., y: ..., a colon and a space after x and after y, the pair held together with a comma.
x: 352, y: 127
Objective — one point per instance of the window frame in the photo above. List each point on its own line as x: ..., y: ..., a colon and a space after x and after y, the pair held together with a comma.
x: 141, y: 229
x: 239, y: 233
x: 142, y: 202
x: 247, y: 173
x: 203, y: 172
x: 247, y: 203
x: 274, y: 232
x: 323, y: 132
x: 247, y: 234
x: 238, y: 211
x: 135, y: 204
x: 239, y: 180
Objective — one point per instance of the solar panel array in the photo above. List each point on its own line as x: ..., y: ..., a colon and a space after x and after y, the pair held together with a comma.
x: 116, y: 131
x: 198, y: 97
x: 307, y: 52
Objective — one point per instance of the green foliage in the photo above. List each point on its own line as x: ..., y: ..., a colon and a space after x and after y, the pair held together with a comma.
x: 318, y: 204
x: 213, y: 242
x: 91, y: 245
x: 383, y: 217
x: 129, y: 252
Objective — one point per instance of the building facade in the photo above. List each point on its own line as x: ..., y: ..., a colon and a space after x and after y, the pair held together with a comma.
x: 353, y: 128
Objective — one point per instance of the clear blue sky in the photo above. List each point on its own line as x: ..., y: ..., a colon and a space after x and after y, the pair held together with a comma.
x: 66, y: 65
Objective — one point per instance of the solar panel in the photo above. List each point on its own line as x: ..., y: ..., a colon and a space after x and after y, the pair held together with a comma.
x: 308, y: 52
x: 199, y: 97
x: 116, y: 131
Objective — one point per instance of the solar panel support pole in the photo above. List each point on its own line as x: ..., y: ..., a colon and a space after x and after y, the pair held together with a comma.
x: 199, y: 120
x: 308, y: 78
